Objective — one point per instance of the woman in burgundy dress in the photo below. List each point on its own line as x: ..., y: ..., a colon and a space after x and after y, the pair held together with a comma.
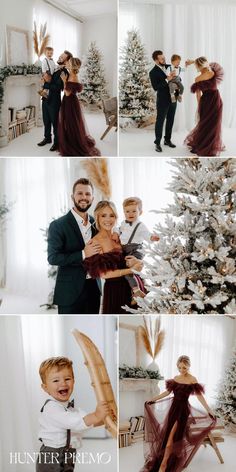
x: 173, y: 428
x: 111, y: 264
x: 205, y: 139
x: 74, y: 139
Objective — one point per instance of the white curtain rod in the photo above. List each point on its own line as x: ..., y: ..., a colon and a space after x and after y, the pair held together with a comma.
x: 72, y: 15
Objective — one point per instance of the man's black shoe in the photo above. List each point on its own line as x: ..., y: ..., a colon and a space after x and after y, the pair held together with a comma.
x: 158, y: 148
x: 53, y: 148
x: 170, y: 144
x: 44, y: 141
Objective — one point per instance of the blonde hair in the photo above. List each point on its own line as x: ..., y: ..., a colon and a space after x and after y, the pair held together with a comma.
x: 49, y: 364
x: 201, y: 62
x: 75, y: 64
x: 184, y: 359
x: 174, y: 57
x: 100, y: 206
x: 133, y: 201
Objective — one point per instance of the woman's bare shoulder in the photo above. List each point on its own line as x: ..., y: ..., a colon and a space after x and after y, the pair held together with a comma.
x: 205, y: 76
x: 193, y: 379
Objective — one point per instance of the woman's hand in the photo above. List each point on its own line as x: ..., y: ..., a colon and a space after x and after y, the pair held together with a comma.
x: 188, y: 62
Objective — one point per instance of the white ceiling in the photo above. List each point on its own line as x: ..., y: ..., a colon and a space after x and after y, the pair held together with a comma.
x: 86, y: 8
x: 178, y: 2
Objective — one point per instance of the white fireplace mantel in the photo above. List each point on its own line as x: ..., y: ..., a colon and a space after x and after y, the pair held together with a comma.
x: 18, y: 81
x: 149, y: 386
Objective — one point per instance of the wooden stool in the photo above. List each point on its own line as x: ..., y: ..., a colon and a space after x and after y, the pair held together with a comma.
x: 212, y: 438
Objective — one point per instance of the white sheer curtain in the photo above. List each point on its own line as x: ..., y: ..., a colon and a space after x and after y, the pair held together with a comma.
x: 207, y: 340
x: 145, y: 178
x: 190, y: 30
x: 65, y: 32
x: 24, y: 343
x: 40, y: 190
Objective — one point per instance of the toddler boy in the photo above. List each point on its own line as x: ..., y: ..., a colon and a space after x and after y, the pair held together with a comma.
x: 176, y: 82
x: 48, y: 69
x: 133, y: 233
x: 59, y: 418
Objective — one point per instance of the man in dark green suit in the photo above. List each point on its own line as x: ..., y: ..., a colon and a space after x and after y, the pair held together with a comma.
x: 69, y: 242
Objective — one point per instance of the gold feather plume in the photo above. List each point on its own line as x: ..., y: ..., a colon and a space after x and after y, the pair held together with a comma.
x: 44, y: 44
x: 153, y: 339
x: 40, y: 41
x: 97, y: 171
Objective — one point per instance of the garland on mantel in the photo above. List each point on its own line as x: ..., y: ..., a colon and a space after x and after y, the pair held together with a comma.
x: 127, y: 372
x: 15, y: 70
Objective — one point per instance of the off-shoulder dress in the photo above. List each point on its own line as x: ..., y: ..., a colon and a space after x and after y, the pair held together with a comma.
x: 116, y: 292
x: 205, y: 139
x: 192, y: 426
x: 74, y: 138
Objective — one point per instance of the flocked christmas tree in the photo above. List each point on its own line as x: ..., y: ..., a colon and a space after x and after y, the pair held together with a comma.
x: 93, y: 77
x: 226, y: 406
x: 192, y: 268
x: 135, y: 91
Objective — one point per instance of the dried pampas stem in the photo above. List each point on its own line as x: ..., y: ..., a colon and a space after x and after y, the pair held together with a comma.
x: 143, y: 336
x: 97, y: 170
x: 159, y: 343
x: 152, y: 340
x: 44, y: 44
x: 40, y: 41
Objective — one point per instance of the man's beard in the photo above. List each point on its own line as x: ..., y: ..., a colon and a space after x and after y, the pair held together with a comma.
x: 82, y: 209
x: 61, y: 63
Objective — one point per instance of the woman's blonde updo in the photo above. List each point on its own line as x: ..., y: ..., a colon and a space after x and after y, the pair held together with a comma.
x: 100, y: 206
x: 201, y: 62
x: 75, y: 63
x: 185, y: 360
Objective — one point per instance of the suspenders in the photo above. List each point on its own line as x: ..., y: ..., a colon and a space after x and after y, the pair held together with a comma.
x: 133, y: 233
x: 68, y: 431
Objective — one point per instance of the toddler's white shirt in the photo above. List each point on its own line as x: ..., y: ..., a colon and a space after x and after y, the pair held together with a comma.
x: 54, y: 421
x: 142, y: 233
x: 49, y: 64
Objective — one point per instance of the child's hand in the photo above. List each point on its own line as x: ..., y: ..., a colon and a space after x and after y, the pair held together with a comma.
x: 154, y: 237
x: 47, y: 77
x: 102, y: 410
x: 115, y: 237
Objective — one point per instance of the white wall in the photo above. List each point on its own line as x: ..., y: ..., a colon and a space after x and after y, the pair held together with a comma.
x: 17, y: 14
x: 103, y: 30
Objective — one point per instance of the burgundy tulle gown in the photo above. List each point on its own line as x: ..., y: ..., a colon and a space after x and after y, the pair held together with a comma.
x: 73, y: 137
x: 117, y: 292
x: 205, y: 139
x: 161, y: 416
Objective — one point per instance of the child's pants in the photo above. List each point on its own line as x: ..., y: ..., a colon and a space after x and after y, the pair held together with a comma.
x: 53, y: 459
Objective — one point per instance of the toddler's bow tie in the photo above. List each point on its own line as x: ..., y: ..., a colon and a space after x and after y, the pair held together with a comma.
x: 71, y: 404
x: 129, y: 222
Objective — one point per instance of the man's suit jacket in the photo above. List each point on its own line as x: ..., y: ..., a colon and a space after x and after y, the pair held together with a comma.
x: 160, y: 85
x: 65, y: 246
x: 55, y: 87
